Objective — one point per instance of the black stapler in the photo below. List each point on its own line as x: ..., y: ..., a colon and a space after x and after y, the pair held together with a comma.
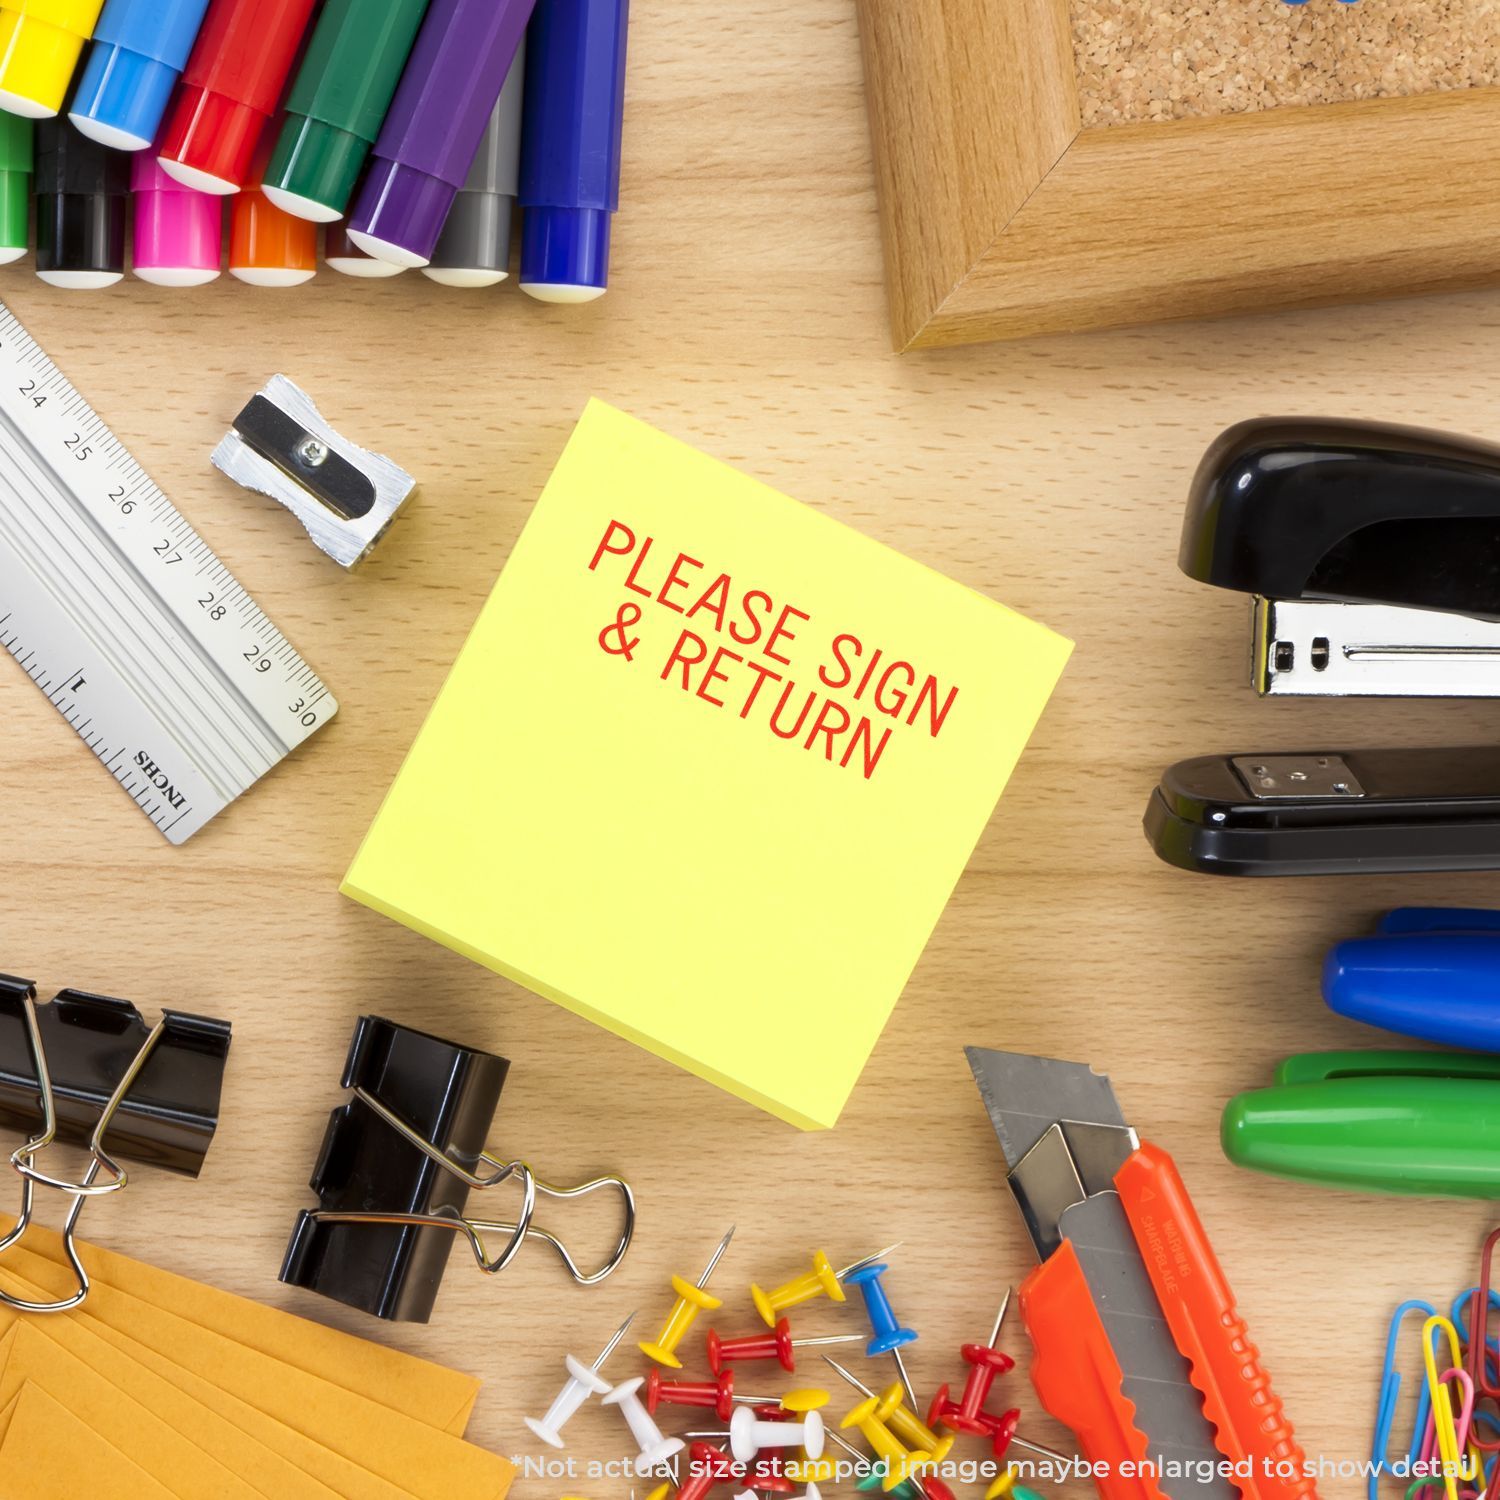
x: 1372, y: 556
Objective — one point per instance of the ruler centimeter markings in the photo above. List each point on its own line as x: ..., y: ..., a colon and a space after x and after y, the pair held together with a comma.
x: 120, y: 613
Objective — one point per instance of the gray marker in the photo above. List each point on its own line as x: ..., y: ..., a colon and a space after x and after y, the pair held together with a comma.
x: 475, y: 246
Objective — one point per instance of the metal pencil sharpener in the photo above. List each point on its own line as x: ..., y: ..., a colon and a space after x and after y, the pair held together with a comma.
x: 345, y: 496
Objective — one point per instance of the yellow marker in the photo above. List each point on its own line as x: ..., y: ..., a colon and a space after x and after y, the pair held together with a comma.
x: 869, y: 1416
x: 40, y: 44
x: 691, y: 1300
x: 911, y: 1429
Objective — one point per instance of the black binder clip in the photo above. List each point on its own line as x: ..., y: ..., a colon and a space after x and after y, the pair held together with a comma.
x: 1372, y: 553
x: 85, y: 1070
x: 393, y: 1179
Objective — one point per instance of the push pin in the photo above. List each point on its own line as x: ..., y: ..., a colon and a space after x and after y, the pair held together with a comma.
x: 778, y: 1345
x: 811, y: 1493
x: 870, y: 1417
x: 691, y: 1300
x: 749, y: 1434
x: 769, y: 1477
x: 1004, y: 1487
x: 717, y: 1394
x: 889, y: 1334
x: 661, y: 1492
x: 655, y: 1449
x: 986, y: 1364
x: 583, y: 1382
x: 344, y: 496
x: 821, y: 1281
x: 902, y: 1421
x: 921, y: 1487
x: 707, y: 1466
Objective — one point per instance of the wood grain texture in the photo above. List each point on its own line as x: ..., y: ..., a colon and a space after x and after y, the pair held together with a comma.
x: 1291, y: 207
x: 747, y: 317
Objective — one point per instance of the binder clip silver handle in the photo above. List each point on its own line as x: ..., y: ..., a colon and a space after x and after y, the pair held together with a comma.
x: 475, y: 1230
x: 23, y: 1160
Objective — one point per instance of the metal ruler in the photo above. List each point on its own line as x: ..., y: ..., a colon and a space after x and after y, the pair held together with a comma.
x: 123, y: 617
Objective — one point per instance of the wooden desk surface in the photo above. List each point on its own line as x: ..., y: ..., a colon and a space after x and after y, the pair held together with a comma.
x: 748, y: 318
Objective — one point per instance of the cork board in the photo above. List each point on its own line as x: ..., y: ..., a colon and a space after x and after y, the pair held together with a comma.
x: 1152, y: 60
x: 1050, y: 166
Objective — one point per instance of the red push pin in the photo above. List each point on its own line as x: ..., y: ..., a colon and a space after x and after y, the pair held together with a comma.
x: 707, y: 1466
x: 1001, y: 1431
x: 986, y: 1364
x: 717, y: 1395
x: 767, y: 1477
x: 778, y: 1344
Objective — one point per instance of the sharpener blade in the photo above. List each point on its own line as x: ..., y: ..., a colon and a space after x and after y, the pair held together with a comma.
x: 344, y: 496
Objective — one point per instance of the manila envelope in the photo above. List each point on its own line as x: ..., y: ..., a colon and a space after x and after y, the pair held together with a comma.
x: 47, y: 1453
x: 27, y: 1357
x: 427, y: 1463
x: 270, y: 1468
x: 434, y: 1395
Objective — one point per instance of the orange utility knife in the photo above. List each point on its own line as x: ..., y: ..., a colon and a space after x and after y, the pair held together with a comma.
x: 1138, y: 1348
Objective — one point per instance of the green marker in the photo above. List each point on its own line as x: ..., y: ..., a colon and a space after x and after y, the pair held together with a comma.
x: 338, y: 104
x: 15, y: 186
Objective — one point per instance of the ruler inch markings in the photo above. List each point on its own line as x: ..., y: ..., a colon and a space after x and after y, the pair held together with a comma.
x: 172, y: 676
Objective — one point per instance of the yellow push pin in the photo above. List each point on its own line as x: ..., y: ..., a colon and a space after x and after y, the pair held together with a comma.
x: 905, y: 1423
x: 821, y: 1281
x: 900, y: 1464
x: 802, y: 1401
x: 660, y: 1492
x: 1002, y: 1486
x: 691, y: 1300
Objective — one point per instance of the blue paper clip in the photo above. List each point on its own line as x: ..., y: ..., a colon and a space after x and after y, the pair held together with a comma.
x: 1390, y: 1394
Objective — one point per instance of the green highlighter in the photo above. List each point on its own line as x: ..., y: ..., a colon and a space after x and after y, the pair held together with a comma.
x: 15, y: 186
x: 1419, y: 1123
x: 338, y: 103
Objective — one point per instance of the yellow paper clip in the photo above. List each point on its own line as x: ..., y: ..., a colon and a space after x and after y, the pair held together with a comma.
x: 1457, y: 1464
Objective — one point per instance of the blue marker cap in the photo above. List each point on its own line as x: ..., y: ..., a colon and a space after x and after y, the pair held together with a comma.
x: 565, y: 253
x: 140, y: 49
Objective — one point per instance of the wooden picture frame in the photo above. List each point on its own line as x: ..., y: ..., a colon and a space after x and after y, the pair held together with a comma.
x: 1003, y: 217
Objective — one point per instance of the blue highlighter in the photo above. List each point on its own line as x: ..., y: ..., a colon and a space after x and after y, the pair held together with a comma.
x: 1429, y: 972
x: 570, y: 146
x: 139, y: 51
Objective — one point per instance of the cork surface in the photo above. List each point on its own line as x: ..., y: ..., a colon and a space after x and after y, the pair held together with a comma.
x: 1153, y: 60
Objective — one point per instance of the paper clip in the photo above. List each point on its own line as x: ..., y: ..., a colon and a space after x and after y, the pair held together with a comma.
x: 94, y: 1030
x: 1479, y: 1336
x: 1390, y: 1395
x: 1451, y: 1444
x: 403, y: 1155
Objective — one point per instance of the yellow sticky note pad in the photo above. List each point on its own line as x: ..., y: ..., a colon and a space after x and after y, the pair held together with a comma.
x: 708, y: 768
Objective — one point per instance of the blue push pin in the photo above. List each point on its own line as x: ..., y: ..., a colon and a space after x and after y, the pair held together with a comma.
x: 889, y: 1334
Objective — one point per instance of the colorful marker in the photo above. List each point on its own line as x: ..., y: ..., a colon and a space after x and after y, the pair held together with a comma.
x: 179, y: 232
x: 339, y: 102
x: 267, y: 245
x: 140, y: 49
x: 82, y: 199
x: 40, y: 44
x: 570, y: 159
x: 432, y: 134
x: 475, y: 246
x: 341, y: 254
x: 17, y: 149
x: 230, y: 90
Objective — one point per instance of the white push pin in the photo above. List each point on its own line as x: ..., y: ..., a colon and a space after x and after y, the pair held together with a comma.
x: 583, y: 1382
x: 748, y: 1434
x: 655, y: 1449
x: 813, y: 1493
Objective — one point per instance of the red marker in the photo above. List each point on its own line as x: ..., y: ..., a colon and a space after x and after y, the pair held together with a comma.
x: 230, y: 90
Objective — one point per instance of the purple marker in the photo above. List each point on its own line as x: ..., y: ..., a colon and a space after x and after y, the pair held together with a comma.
x: 432, y: 133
